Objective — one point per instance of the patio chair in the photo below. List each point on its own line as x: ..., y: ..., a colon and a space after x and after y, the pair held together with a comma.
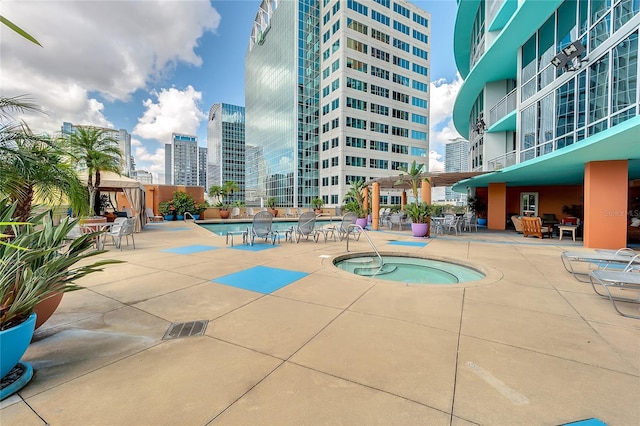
x: 128, y: 211
x: 249, y: 212
x: 342, y: 228
x: 261, y: 228
x: 288, y: 212
x: 470, y: 221
x: 623, y: 282
x: 305, y: 228
x: 395, y: 219
x: 599, y: 259
x: 451, y: 222
x: 122, y: 229
x: 152, y: 217
x: 533, y: 226
x: 235, y: 213
x: 299, y: 211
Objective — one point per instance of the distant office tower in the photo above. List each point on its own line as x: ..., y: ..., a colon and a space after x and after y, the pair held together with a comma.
x: 121, y: 136
x: 335, y: 91
x: 182, y: 165
x: 225, y: 143
x: 456, y: 160
x: 143, y: 177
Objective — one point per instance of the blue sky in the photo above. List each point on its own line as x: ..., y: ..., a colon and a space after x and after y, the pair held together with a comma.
x: 155, y: 67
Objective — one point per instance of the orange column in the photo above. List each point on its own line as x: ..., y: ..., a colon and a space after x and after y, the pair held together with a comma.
x: 497, y: 206
x: 375, y: 206
x: 425, y: 191
x: 606, y: 188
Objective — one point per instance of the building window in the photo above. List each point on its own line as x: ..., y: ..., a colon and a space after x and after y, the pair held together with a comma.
x: 354, y: 5
x: 356, y: 84
x: 379, y: 146
x: 356, y: 123
x: 356, y: 142
x: 420, y: 36
x: 419, y: 136
x: 335, y: 84
x: 379, y: 127
x: 420, y: 69
x: 400, y: 131
x: 385, y: 3
x: 377, y: 16
x: 379, y: 91
x: 399, y: 26
x: 379, y: 35
x: 334, y: 162
x: 356, y: 65
x: 356, y: 104
x: 378, y: 164
x: 420, y: 53
x: 356, y: 45
x: 355, y: 161
x: 419, y: 102
x: 402, y: 45
x: 380, y: 54
x: 398, y: 113
x: 400, y: 62
x: 357, y: 26
x: 401, y: 97
x: 399, y: 149
x: 379, y: 109
x: 397, y: 78
x: 335, y: 123
x: 335, y: 142
x: 335, y: 65
x: 379, y: 72
x: 421, y: 20
x: 401, y: 10
x: 419, y: 119
x: 399, y: 165
x: 335, y: 104
x: 418, y: 85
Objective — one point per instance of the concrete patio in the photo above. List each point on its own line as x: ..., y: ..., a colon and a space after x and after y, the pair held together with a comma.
x: 526, y: 345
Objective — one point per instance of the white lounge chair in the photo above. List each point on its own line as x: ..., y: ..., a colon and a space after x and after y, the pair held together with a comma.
x: 288, y: 212
x: 594, y: 260
x: 261, y: 228
x: 306, y: 228
x: 235, y: 212
x: 152, y: 217
x: 627, y: 281
x: 342, y: 228
x: 121, y: 230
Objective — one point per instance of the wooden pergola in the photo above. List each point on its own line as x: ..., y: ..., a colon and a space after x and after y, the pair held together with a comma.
x: 403, y: 182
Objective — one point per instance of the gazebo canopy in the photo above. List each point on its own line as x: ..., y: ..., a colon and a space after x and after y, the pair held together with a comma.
x: 436, y: 179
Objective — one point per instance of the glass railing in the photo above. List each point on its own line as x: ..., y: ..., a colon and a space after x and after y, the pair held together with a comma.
x: 505, y: 160
x: 502, y: 108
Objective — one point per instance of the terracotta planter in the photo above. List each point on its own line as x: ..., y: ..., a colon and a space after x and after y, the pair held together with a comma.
x: 274, y: 212
x: 224, y: 214
x: 46, y: 308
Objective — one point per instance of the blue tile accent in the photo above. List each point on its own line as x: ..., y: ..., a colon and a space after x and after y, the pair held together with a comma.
x: 255, y: 247
x: 587, y: 422
x: 261, y: 279
x: 407, y: 243
x: 189, y: 249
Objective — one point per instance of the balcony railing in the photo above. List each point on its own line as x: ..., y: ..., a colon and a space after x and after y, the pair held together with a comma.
x: 505, y: 160
x: 493, y: 9
x: 503, y: 107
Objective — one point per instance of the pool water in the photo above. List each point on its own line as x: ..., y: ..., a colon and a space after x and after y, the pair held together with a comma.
x: 408, y: 269
x: 280, y: 226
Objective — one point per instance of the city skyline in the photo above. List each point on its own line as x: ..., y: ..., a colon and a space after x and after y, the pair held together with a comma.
x: 130, y: 75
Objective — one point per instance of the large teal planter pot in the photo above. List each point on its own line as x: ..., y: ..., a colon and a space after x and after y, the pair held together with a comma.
x: 14, y: 343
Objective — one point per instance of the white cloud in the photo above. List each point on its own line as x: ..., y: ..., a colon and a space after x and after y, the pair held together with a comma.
x: 436, y: 163
x: 441, y: 129
x: 151, y: 161
x: 109, y: 47
x: 176, y: 111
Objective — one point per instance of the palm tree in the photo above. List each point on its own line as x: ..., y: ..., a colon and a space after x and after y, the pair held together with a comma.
x: 31, y: 166
x: 228, y: 189
x: 354, y: 198
x: 92, y: 148
x: 414, y: 177
x: 216, y: 191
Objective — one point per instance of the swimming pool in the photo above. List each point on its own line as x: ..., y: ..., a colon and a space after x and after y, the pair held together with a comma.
x: 280, y: 226
x: 407, y: 269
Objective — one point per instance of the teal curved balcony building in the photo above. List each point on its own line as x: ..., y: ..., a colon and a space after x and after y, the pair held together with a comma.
x: 550, y: 105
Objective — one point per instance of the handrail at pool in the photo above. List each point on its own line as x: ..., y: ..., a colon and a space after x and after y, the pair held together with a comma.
x: 363, y: 232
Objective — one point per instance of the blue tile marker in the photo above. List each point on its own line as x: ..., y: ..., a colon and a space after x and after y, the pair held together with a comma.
x: 189, y: 249
x: 586, y: 422
x: 255, y: 247
x: 407, y: 243
x: 261, y: 279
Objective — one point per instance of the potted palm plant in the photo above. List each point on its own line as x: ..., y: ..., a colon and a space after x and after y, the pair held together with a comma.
x: 272, y: 202
x: 418, y: 212
x: 478, y: 206
x: 355, y: 202
x: 317, y: 203
x: 37, y: 264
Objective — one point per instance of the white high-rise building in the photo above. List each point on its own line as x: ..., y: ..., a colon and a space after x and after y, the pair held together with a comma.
x: 336, y: 91
x: 456, y: 160
x: 183, y: 163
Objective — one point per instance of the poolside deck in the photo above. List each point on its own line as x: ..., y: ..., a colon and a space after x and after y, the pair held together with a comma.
x: 528, y: 344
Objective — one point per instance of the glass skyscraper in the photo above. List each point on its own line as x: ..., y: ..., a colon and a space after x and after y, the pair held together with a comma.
x: 226, y: 147
x: 183, y: 164
x: 336, y: 91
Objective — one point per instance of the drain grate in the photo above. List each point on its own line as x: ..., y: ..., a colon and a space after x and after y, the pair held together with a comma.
x: 178, y: 330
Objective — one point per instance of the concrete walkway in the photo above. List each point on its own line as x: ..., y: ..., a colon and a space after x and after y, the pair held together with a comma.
x: 526, y: 345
